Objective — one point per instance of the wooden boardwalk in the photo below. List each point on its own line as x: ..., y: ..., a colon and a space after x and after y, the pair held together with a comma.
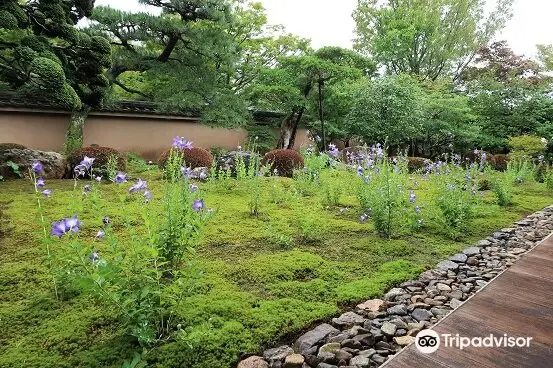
x: 519, y: 303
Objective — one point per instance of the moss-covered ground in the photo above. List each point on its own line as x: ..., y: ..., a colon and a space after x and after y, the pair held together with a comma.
x: 264, y: 278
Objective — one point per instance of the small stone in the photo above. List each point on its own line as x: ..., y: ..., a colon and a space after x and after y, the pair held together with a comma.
x: 339, y: 338
x: 343, y: 355
x: 404, y: 340
x: 348, y: 319
x: 459, y: 258
x: 277, y: 354
x: 367, y: 353
x: 517, y: 251
x: 443, y: 287
x: 392, y: 294
x: 399, y: 309
x: 330, y: 348
x: 447, y: 265
x: 420, y: 314
x: 314, y: 337
x: 365, y: 340
x: 472, y: 261
x: 294, y: 361
x: 399, y: 323
x: 388, y: 329
x: 382, y: 345
x: 326, y: 357
x: 455, y: 303
x: 433, y: 302
x: 253, y: 362
x: 472, y: 251
x: 378, y: 359
x: 373, y: 305
x: 360, y: 361
x: 326, y: 365
x: 417, y: 299
x: 401, y: 332
x: 418, y: 325
x: 352, y: 344
x: 483, y: 243
x: 439, y: 312
x: 455, y: 294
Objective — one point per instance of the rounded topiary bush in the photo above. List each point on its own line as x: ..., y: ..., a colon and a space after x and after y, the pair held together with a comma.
x: 7, y: 146
x: 284, y: 161
x: 101, y: 155
x: 193, y: 157
x: 415, y: 164
x: 499, y: 162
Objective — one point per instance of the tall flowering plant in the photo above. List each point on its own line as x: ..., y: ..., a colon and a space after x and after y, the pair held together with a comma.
x: 383, y: 191
x: 140, y: 270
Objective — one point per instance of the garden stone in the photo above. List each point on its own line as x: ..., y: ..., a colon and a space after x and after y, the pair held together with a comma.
x: 421, y: 315
x: 447, y: 265
x: 373, y: 305
x: 314, y: 337
x: 228, y: 162
x: 388, y: 329
x: 294, y: 361
x: 392, y: 294
x: 439, y: 312
x: 277, y: 354
x: 456, y: 294
x: 343, y: 355
x: 330, y: 348
x: 360, y: 362
x: 365, y: 340
x: 55, y: 165
x: 325, y: 365
x: 517, y: 251
x: 326, y: 357
x: 430, y: 275
x: 348, y: 319
x: 378, y: 359
x: 352, y: 344
x: 401, y: 332
x: 200, y: 174
x: 455, y: 303
x: 459, y: 258
x: 472, y: 251
x: 404, y: 340
x: 253, y: 362
x: 400, y: 310
x: 443, y: 287
x: 338, y: 338
x: 483, y: 243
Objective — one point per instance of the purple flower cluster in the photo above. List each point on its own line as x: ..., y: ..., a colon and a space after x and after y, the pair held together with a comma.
x: 333, y: 150
x: 84, y: 166
x: 37, y: 168
x: 65, y: 226
x: 140, y: 186
x: 181, y: 143
x: 120, y: 178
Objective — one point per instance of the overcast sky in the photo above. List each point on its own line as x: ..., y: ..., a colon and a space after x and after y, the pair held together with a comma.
x: 329, y: 24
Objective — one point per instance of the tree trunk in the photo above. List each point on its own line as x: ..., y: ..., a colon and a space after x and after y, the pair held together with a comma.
x: 289, y: 128
x: 74, y: 135
x: 321, y: 112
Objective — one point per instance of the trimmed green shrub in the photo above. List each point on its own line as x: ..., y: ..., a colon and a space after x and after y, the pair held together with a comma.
x: 193, y: 157
x: 7, y: 146
x: 527, y: 145
x: 499, y: 162
x: 284, y: 161
x: 415, y: 164
x: 102, y: 155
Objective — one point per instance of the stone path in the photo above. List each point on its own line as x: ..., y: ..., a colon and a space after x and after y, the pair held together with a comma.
x: 519, y: 303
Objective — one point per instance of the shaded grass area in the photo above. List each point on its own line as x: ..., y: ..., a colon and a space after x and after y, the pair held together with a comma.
x: 250, y: 290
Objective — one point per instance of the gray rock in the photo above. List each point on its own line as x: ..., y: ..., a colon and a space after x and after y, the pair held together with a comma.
x: 253, y: 362
x: 483, y: 243
x: 325, y: 365
x: 348, y: 319
x: 339, y: 338
x: 392, y: 294
x: 294, y: 361
x: 365, y: 339
x: 367, y: 353
x: 314, y: 337
x: 229, y: 161
x: 351, y: 344
x: 388, y: 329
x: 430, y: 275
x: 421, y: 315
x: 378, y: 359
x: 447, y: 265
x: 55, y: 165
x: 200, y: 174
x: 439, y: 311
x: 455, y: 303
x: 327, y: 357
x: 343, y: 355
x: 399, y: 309
x: 360, y: 362
x: 330, y: 348
x: 443, y: 287
x: 472, y: 251
x: 459, y: 258
x: 277, y: 354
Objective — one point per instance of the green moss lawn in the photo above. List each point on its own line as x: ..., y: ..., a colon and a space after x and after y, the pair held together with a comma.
x: 260, y: 280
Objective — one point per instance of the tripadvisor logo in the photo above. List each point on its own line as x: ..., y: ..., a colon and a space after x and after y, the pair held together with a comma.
x: 428, y: 341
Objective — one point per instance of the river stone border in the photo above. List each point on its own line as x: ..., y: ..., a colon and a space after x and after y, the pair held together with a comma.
x: 380, y: 328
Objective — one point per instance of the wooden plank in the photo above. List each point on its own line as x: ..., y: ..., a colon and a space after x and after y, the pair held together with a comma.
x: 518, y: 303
